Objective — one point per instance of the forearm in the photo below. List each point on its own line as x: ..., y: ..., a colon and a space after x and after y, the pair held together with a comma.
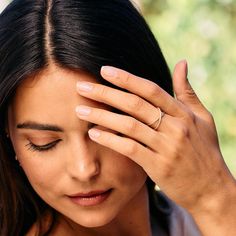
x: 217, y: 216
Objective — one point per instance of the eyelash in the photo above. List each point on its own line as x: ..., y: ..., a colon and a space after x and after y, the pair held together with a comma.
x: 48, y: 146
x: 43, y: 148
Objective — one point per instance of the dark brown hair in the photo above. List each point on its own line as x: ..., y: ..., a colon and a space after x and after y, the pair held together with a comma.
x: 74, y: 34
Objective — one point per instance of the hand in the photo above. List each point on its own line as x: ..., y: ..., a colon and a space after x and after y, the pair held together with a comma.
x: 182, y: 157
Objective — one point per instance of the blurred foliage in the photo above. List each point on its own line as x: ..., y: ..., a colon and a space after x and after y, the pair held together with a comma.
x: 203, y: 32
x: 3, y: 4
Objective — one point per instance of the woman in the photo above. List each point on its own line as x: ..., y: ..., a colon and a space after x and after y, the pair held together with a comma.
x: 83, y: 145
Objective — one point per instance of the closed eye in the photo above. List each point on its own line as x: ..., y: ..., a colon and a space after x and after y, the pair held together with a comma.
x: 42, y: 148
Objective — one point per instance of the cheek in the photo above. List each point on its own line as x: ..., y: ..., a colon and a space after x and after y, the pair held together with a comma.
x: 40, y: 174
x: 128, y: 172
x: 42, y: 171
x: 43, y: 177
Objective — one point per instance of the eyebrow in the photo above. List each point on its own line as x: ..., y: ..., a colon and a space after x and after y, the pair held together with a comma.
x: 38, y: 126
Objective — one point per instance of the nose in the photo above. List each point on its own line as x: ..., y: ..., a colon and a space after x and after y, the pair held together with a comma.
x: 83, y: 163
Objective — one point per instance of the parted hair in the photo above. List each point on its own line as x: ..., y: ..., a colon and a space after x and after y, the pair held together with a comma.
x: 77, y: 35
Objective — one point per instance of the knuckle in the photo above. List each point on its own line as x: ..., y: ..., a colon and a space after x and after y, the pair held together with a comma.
x: 189, y: 118
x: 131, y: 125
x: 102, y: 92
x: 131, y: 148
x: 135, y: 103
x: 168, y: 173
x: 210, y: 116
x: 154, y: 90
x: 190, y: 92
x: 167, y: 170
x: 126, y: 77
x: 182, y: 132
x: 176, y: 158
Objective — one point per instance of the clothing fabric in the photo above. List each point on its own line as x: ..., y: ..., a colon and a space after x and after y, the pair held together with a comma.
x: 180, y: 222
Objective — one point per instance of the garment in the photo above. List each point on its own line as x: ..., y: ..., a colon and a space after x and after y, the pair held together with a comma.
x: 180, y: 222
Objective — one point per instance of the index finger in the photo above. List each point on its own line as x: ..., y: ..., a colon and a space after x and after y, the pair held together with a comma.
x: 143, y: 88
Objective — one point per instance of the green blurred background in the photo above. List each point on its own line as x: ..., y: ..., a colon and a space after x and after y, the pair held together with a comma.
x: 203, y: 32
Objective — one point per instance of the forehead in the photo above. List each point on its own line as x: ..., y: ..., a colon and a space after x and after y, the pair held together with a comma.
x: 50, y: 97
x: 53, y: 78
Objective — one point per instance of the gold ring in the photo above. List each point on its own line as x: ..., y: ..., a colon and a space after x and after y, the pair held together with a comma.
x: 157, y: 122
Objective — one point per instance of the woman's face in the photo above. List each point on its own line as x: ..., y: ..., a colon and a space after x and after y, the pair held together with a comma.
x: 84, y: 181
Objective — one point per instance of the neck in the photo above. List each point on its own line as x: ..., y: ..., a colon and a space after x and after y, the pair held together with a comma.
x: 133, y: 220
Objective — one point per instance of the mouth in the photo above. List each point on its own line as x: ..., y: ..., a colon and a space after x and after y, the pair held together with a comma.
x: 90, y: 198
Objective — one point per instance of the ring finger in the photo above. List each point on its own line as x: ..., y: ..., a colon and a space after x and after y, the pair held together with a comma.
x: 123, y: 124
x: 124, y: 101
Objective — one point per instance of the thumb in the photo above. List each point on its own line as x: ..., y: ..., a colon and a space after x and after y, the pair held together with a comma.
x: 183, y: 90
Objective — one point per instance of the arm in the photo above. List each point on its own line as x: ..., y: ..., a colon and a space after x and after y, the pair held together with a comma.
x: 215, y: 211
x: 182, y: 155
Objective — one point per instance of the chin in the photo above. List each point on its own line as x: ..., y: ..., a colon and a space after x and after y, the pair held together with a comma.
x: 92, y: 220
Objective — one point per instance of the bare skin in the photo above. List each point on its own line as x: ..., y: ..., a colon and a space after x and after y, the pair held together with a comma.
x: 60, y: 160
x: 182, y: 157
x: 137, y: 224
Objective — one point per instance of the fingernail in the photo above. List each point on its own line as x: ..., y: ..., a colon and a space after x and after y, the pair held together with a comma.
x: 186, y: 67
x: 109, y: 71
x: 83, y: 110
x: 94, y: 133
x: 185, y: 63
x: 83, y: 86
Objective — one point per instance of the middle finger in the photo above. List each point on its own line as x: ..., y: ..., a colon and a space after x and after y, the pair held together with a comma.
x: 124, y: 101
x: 123, y: 124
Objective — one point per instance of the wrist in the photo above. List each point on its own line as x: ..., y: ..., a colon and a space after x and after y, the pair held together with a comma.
x: 216, y: 216
x: 218, y: 201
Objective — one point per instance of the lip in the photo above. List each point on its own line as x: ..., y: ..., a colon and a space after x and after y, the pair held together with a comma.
x: 91, y: 198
